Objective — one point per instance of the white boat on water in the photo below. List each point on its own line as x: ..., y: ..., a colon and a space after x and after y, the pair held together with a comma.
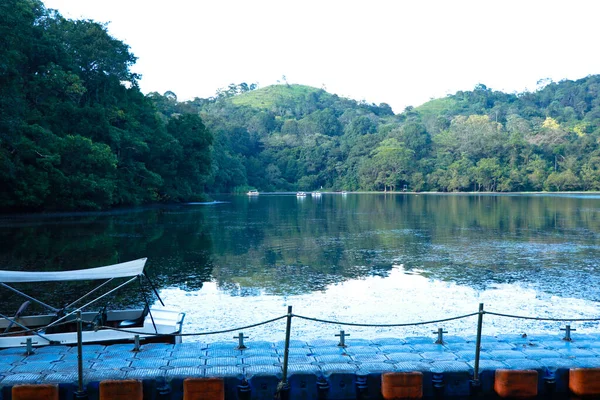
x: 252, y: 192
x: 300, y: 194
x: 60, y: 325
x: 316, y: 194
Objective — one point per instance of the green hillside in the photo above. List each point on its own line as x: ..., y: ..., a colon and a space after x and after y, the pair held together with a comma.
x: 437, y: 106
x: 269, y: 97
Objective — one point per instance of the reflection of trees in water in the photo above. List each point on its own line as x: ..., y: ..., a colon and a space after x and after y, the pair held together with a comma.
x: 281, y: 246
x: 175, y: 241
x: 468, y: 239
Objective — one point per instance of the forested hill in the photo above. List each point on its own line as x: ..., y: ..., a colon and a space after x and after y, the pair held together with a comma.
x: 77, y: 133
x: 294, y: 137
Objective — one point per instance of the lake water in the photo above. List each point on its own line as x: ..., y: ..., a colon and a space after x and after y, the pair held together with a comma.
x: 359, y: 258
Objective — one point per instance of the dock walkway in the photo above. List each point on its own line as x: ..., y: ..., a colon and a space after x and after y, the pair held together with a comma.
x: 314, y: 366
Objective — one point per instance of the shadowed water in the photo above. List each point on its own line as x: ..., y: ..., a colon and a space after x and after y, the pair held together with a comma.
x: 370, y: 258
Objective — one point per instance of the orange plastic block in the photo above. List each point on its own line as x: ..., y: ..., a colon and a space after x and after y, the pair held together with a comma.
x: 203, y: 388
x: 520, y: 384
x: 585, y: 382
x: 129, y: 389
x: 35, y: 392
x: 402, y: 385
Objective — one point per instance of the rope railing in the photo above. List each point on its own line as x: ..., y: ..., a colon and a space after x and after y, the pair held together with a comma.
x: 384, y: 325
x: 195, y: 333
x: 289, y: 316
x: 543, y: 318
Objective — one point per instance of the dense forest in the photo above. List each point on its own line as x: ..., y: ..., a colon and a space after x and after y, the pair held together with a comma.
x: 76, y: 132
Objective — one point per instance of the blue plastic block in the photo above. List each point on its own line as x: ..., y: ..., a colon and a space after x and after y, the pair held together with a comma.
x: 396, y: 348
x: 489, y: 346
x: 263, y: 370
x: 190, y: 346
x: 323, y: 343
x: 217, y: 352
x: 41, y: 357
x: 488, y: 365
x: 523, y: 363
x: 388, y: 341
x: 157, y: 346
x: 32, y: 367
x: 371, y: 350
x: 187, y: 362
x: 261, y: 360
x: 349, y: 342
x: 402, y: 357
x: 506, y: 354
x: 375, y: 367
x: 185, y: 372
x: 537, y: 354
x: 263, y: 351
x: 103, y: 374
x: 110, y: 364
x: 303, y: 386
x: 413, y: 366
x: 88, y: 348
x: 342, y: 385
x: 333, y: 358
x: 61, y: 377
x: 362, y: 358
x: 263, y: 387
x: 293, y: 343
x: 323, y: 351
x: 469, y: 355
x: 588, y: 362
x: 223, y: 371
x: 456, y: 378
x: 145, y: 373
x: 149, y: 363
x: 440, y: 355
x: 304, y: 369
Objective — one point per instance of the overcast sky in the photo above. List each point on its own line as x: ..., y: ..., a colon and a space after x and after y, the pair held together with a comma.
x: 382, y: 51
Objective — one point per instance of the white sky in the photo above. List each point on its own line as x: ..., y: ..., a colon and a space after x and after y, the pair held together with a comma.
x: 398, y: 52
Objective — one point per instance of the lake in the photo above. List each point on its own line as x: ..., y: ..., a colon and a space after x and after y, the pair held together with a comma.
x: 360, y: 258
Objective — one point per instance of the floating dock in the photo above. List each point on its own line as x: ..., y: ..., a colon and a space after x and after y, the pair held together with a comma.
x: 318, y: 369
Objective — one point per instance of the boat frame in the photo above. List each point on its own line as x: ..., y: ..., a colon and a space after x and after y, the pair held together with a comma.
x: 150, y: 324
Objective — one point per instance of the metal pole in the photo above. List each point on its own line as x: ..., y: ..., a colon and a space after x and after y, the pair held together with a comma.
x: 478, y: 344
x: 79, y: 355
x: 286, y: 351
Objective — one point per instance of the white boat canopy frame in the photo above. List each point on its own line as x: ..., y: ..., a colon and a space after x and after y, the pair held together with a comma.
x: 122, y: 270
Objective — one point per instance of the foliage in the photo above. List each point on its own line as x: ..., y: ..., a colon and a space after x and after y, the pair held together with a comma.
x: 294, y: 137
x: 76, y: 132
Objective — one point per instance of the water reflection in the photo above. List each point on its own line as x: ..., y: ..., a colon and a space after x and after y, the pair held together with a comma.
x: 288, y: 245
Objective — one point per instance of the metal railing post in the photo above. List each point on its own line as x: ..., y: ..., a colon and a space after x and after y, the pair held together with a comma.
x: 283, y: 388
x: 286, y: 350
x: 80, y: 394
x: 478, y: 344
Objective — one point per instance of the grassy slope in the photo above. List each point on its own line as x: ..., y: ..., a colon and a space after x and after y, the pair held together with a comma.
x: 436, y: 106
x: 269, y: 96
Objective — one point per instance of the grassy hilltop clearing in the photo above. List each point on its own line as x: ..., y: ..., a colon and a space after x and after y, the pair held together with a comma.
x: 77, y: 133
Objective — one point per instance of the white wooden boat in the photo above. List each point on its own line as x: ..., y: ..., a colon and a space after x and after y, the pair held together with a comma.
x: 300, y: 194
x: 150, y: 323
x: 253, y: 192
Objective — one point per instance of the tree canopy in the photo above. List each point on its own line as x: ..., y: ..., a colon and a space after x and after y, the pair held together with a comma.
x: 77, y: 133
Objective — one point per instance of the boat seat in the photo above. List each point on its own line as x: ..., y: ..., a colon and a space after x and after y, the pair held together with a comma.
x: 133, y: 322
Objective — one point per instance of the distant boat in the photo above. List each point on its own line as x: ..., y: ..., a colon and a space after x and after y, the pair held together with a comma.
x: 317, y: 194
x: 344, y: 192
x: 252, y: 192
x: 300, y: 194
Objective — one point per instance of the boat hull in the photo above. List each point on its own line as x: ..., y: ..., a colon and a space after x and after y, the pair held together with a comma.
x: 159, y: 325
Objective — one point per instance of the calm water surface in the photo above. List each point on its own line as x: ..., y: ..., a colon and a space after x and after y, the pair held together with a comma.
x: 365, y: 258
